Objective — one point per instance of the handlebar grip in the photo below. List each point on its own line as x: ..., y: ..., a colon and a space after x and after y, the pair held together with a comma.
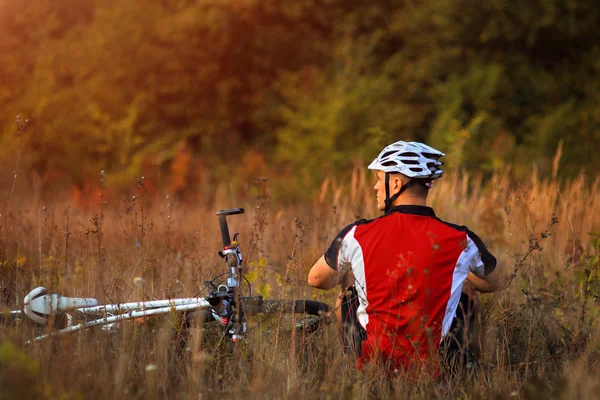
x: 224, y: 230
x: 231, y: 211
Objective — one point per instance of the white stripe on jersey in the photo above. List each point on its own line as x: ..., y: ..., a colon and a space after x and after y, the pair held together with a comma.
x: 469, y: 260
x: 351, y: 257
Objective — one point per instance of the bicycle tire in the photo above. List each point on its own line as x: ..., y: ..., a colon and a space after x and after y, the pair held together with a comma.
x: 312, y: 314
x: 256, y: 305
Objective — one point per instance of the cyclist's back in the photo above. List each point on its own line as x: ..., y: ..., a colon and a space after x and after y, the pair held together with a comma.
x: 409, y: 267
x: 405, y: 270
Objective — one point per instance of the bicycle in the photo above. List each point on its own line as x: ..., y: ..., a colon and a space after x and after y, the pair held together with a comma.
x: 224, y: 304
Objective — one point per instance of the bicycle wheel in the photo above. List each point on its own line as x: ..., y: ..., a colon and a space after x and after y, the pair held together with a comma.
x: 305, y: 315
x: 269, y: 315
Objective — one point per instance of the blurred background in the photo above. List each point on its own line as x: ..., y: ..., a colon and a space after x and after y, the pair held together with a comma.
x: 191, y: 93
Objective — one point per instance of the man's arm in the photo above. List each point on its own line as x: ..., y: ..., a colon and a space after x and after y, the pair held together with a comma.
x: 487, y: 274
x: 495, y: 280
x: 322, y: 276
x: 334, y: 267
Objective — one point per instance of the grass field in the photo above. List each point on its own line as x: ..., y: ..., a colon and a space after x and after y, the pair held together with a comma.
x: 540, y: 336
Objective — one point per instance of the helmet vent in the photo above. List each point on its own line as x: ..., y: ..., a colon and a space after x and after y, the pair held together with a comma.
x: 410, y: 162
x: 409, y: 154
x: 389, y: 153
x: 389, y: 163
x: 413, y: 169
x: 431, y: 155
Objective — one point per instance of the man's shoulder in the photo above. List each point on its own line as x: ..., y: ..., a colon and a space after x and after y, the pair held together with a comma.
x: 363, y: 222
x: 331, y: 255
x: 453, y: 226
x: 487, y: 258
x: 462, y: 228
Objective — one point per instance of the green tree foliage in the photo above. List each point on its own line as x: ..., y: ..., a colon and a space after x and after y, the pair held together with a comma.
x: 352, y: 106
x: 514, y: 78
x: 487, y: 81
x: 310, y: 84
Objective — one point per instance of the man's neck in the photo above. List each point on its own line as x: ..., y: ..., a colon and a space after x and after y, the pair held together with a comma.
x: 410, y: 201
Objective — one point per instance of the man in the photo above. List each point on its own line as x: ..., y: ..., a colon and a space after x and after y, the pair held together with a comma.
x: 406, y: 268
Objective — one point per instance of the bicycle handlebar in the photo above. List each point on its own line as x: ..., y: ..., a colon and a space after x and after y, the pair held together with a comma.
x: 231, y: 211
x: 223, y: 223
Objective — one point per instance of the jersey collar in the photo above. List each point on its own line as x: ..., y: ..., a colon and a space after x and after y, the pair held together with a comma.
x: 413, y: 209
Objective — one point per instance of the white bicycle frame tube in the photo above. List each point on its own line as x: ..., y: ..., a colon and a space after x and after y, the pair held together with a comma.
x: 111, y: 308
x: 201, y: 303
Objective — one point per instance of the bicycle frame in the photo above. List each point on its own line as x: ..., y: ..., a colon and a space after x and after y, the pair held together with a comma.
x: 130, y: 315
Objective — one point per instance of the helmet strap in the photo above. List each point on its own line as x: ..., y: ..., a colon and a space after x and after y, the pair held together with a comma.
x: 387, y: 191
x: 389, y: 201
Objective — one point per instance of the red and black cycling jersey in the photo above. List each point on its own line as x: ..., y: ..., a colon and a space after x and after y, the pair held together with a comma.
x: 409, y: 267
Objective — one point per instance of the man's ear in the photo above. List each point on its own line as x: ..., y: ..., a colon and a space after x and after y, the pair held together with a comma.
x: 397, y: 182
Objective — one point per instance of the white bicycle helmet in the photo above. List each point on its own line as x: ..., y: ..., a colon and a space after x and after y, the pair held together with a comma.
x: 413, y: 159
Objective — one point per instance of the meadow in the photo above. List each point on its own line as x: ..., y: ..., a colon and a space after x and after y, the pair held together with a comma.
x: 540, y: 336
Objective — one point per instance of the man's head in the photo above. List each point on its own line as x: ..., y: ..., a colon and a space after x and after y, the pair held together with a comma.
x: 397, y: 181
x: 405, y: 167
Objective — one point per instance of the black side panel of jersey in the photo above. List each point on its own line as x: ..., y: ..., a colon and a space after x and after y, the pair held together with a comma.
x: 488, y: 259
x: 331, y: 255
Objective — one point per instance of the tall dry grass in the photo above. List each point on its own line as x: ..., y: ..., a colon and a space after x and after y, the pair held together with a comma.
x: 541, y: 336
